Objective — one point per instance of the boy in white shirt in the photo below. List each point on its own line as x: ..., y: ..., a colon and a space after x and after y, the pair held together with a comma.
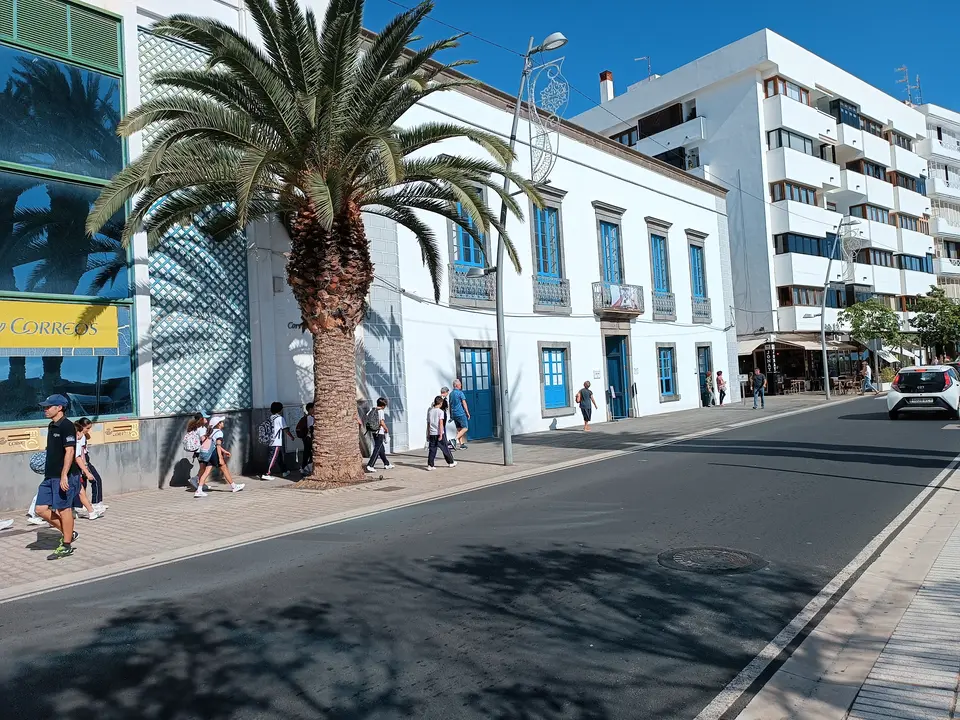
x: 277, y: 451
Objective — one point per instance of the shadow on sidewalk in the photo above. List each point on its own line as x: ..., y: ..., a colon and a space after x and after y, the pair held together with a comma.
x: 564, y: 632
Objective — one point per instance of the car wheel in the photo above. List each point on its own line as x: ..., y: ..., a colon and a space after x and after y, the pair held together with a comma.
x: 893, y: 414
x: 955, y: 414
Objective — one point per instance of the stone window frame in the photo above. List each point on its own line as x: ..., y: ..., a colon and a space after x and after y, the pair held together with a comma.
x: 490, y: 345
x: 552, y: 198
x: 699, y: 239
x: 605, y: 212
x: 656, y: 226
x: 451, y: 245
x: 676, y: 385
x: 569, y: 408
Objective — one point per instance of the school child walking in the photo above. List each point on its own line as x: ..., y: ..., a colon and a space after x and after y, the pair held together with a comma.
x: 436, y: 435
x: 88, y: 473
x: 216, y: 455
x: 279, y: 427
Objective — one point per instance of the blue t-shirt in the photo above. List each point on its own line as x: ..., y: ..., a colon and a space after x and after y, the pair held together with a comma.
x: 457, y: 399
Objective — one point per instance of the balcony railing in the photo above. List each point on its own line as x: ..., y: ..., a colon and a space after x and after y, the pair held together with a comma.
x: 471, y: 290
x: 664, y: 306
x: 617, y: 299
x: 551, y: 294
x: 701, y: 310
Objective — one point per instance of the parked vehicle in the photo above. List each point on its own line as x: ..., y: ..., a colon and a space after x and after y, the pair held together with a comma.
x: 927, y: 388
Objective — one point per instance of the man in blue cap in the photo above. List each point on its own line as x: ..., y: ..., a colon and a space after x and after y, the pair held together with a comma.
x: 61, y: 484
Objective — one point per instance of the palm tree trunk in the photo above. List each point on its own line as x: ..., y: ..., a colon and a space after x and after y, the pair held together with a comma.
x: 330, y: 274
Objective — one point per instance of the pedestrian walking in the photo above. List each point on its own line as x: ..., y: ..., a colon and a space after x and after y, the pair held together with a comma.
x: 866, y: 372
x: 460, y: 413
x: 445, y: 407
x: 587, y: 403
x: 88, y: 473
x: 376, y: 424
x: 278, y: 426
x: 721, y: 386
x: 194, y: 441
x: 61, y: 476
x: 759, y: 388
x: 216, y: 457
x: 305, y: 432
x: 436, y: 434
x: 709, y: 399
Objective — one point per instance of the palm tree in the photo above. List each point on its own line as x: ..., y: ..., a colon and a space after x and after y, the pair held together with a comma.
x: 305, y: 130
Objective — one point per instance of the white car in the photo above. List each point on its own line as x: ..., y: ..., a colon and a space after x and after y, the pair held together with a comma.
x: 925, y: 388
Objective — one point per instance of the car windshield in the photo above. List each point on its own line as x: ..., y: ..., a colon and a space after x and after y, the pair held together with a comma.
x: 921, y: 381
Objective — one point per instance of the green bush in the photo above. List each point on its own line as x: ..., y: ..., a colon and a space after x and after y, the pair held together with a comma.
x: 887, y: 374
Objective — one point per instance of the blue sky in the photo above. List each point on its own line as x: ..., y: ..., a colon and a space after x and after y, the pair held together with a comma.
x: 868, y: 40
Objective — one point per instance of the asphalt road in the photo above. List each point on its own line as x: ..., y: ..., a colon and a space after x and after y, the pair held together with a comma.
x: 539, y: 599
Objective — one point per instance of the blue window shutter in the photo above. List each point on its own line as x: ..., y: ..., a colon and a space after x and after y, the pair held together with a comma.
x: 547, y: 228
x: 665, y: 363
x: 697, y: 271
x: 661, y: 273
x: 610, y: 246
x: 468, y: 251
x: 554, y: 378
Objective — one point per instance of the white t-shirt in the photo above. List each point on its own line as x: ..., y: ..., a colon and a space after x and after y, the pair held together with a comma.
x: 434, y: 421
x: 868, y: 372
x: 216, y: 435
x: 279, y: 425
x: 82, y: 446
x: 381, y: 416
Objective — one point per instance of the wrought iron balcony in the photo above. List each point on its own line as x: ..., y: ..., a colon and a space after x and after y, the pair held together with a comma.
x: 701, y: 310
x: 468, y: 290
x: 664, y: 306
x: 617, y: 299
x: 551, y: 294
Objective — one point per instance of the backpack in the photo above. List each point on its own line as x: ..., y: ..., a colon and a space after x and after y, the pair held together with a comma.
x: 265, y: 431
x: 38, y: 462
x: 372, y: 423
x: 192, y: 441
x: 302, y: 428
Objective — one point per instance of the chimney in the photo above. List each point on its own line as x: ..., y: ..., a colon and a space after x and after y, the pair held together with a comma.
x: 606, y: 86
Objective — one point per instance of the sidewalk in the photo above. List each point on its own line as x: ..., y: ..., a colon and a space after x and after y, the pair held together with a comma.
x: 158, y: 526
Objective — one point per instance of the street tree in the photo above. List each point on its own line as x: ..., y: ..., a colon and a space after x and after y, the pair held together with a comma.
x: 937, y: 321
x: 871, y: 320
x: 306, y: 130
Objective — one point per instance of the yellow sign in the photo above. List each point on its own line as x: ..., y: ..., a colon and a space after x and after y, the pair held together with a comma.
x: 57, y: 325
x: 20, y: 440
x: 121, y: 431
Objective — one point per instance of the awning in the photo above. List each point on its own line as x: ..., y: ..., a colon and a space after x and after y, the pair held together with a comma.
x: 888, y: 356
x: 840, y: 346
x: 746, y: 347
x: 804, y: 344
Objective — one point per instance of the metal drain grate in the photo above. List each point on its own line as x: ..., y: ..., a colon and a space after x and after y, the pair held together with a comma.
x: 711, y: 560
x: 389, y: 488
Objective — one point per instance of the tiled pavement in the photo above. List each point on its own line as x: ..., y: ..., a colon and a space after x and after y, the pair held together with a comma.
x: 156, y: 526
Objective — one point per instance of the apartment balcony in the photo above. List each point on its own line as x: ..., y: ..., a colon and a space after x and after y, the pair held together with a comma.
x: 910, y: 202
x: 886, y: 280
x: 469, y: 291
x: 617, y: 300
x: 938, y: 186
x: 877, y: 149
x: 951, y: 286
x: 799, y: 269
x: 688, y: 133
x: 853, y: 188
x: 947, y: 266
x: 907, y: 162
x: 800, y: 318
x: 788, y: 164
x: 914, y: 243
x: 701, y: 310
x: 664, y: 306
x: 799, y: 217
x: 551, y: 295
x: 947, y: 150
x: 851, y: 139
x: 917, y: 283
x: 882, y: 236
x: 782, y: 112
x: 940, y: 226
x: 880, y: 192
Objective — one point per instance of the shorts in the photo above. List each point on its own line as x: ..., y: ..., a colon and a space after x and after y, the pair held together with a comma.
x: 50, y: 494
x: 587, y: 412
x: 461, y: 422
x: 214, y: 460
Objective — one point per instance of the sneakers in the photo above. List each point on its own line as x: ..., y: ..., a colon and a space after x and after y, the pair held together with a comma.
x: 369, y: 469
x: 100, y: 507
x: 463, y: 446
x: 237, y: 487
x: 307, y: 469
x: 194, y: 481
x: 74, y: 539
x: 61, y: 552
x: 36, y: 520
x: 80, y: 512
x: 286, y: 474
x: 391, y: 466
x: 430, y: 467
x: 200, y: 493
x: 453, y: 464
x: 267, y: 477
x: 95, y: 514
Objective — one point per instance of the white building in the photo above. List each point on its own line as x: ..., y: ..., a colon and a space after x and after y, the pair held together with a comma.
x: 800, y: 144
x: 626, y: 278
x: 941, y: 149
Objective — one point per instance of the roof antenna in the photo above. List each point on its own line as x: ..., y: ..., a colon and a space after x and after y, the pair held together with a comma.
x: 905, y: 80
x: 649, y: 68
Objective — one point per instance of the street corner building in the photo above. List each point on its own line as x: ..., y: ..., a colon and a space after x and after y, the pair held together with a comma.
x: 626, y: 280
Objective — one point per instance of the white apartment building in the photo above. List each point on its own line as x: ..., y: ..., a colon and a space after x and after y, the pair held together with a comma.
x: 626, y: 279
x: 941, y: 149
x: 800, y: 144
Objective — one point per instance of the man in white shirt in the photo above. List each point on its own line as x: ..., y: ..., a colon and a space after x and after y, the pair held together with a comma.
x: 277, y: 451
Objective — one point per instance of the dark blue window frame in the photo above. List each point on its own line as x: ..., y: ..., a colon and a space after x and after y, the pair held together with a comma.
x: 554, y: 362
x: 661, y: 263
x: 665, y: 358
x: 698, y: 271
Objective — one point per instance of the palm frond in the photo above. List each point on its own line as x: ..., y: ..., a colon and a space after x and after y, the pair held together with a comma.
x: 426, y: 239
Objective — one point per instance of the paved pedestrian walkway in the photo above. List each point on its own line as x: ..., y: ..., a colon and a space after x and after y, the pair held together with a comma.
x: 156, y: 526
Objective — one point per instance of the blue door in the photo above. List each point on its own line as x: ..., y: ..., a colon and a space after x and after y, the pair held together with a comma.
x: 617, y: 364
x: 475, y: 376
x: 704, y: 365
x: 610, y: 247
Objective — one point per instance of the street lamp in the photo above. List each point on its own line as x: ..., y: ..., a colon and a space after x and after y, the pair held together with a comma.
x: 823, y: 307
x: 553, y: 41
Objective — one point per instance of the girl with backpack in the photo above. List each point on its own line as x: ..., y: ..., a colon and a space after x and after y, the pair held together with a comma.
x: 376, y: 424
x: 193, y: 441
x: 94, y: 505
x: 216, y: 455
x: 270, y: 432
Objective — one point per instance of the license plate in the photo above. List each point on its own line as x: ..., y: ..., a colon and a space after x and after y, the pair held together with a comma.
x: 921, y: 401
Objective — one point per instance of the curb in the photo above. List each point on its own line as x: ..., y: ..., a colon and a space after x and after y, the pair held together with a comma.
x: 23, y: 591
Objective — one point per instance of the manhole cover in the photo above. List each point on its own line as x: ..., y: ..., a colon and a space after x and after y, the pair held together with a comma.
x: 711, y: 560
x: 389, y: 488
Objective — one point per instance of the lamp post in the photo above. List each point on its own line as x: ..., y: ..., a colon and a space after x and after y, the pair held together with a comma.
x: 552, y: 42
x: 823, y: 308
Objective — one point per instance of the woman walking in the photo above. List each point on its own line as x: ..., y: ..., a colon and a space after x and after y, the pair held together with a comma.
x: 197, y: 427
x: 216, y: 456
x: 436, y: 435
x: 89, y: 475
x: 721, y: 385
x: 584, y: 398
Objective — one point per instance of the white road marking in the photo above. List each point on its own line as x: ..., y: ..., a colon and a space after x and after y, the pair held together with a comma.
x: 736, y: 687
